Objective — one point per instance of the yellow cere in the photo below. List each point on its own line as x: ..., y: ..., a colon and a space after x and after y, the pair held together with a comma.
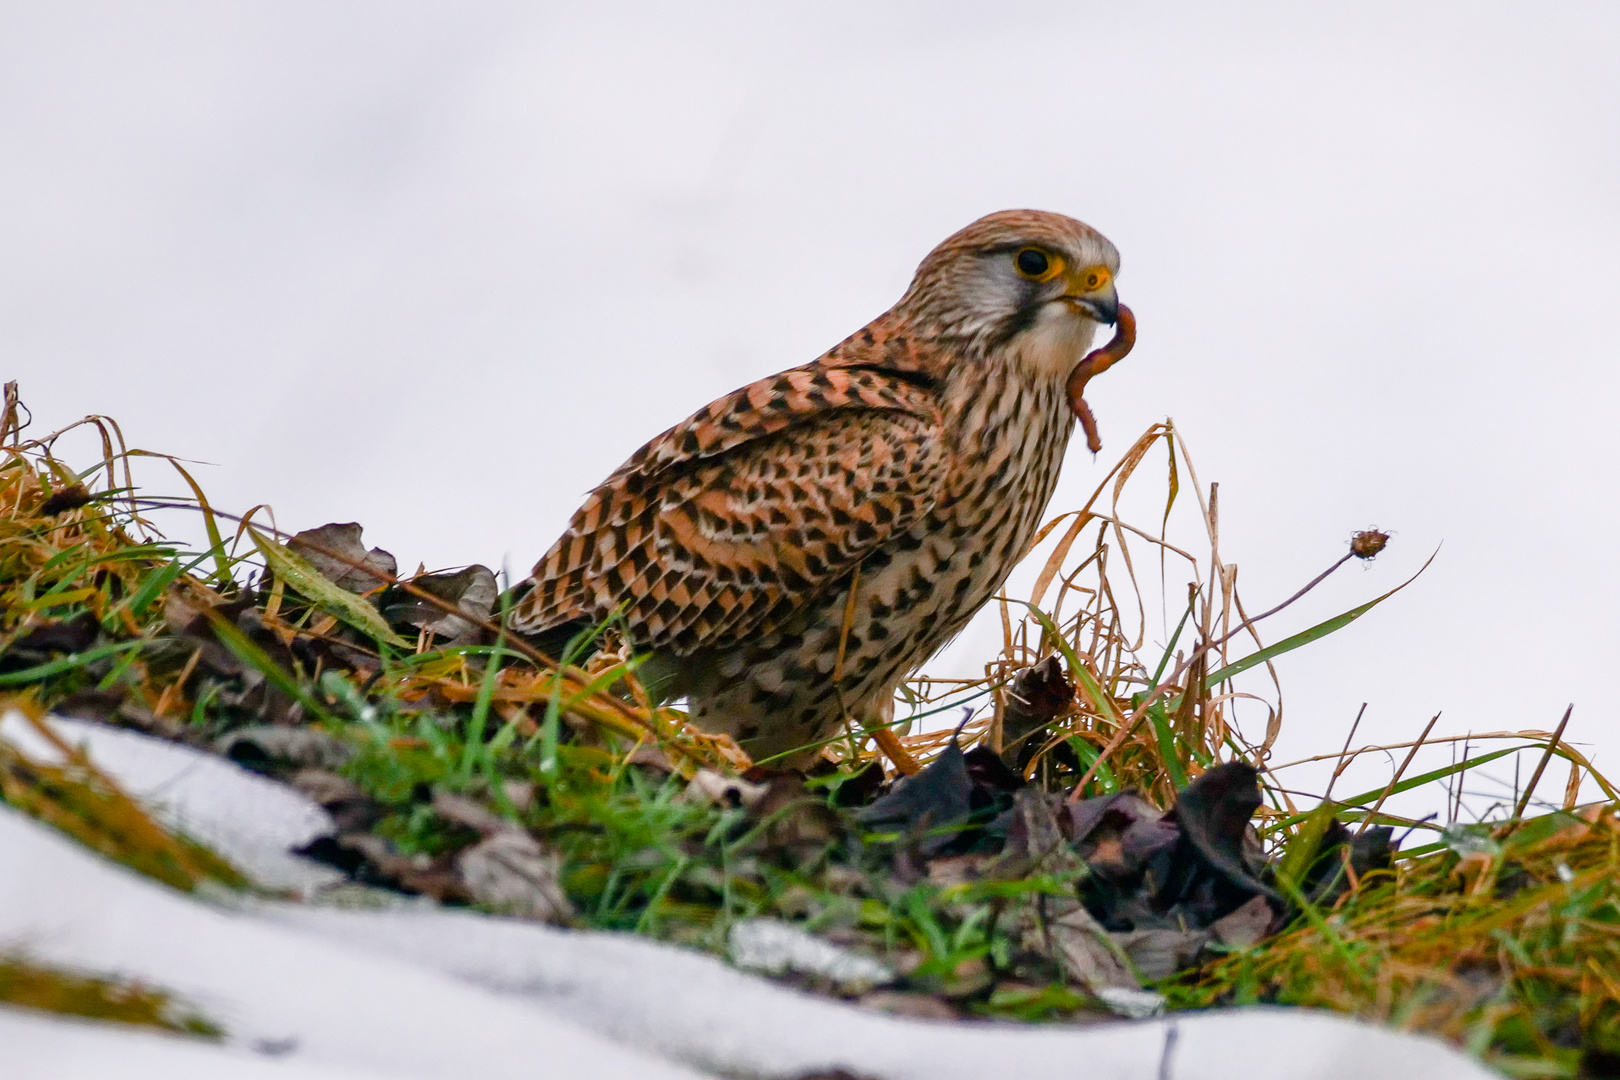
x: 1094, y: 277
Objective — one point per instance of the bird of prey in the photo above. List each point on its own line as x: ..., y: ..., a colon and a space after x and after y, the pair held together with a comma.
x: 785, y: 556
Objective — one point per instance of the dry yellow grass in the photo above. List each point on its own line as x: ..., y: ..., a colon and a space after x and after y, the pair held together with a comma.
x: 1500, y: 936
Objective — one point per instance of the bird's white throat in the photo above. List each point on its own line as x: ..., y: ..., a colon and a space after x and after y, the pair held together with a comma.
x: 1055, y: 343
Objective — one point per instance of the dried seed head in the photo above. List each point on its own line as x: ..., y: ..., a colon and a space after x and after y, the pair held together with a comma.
x: 1364, y: 545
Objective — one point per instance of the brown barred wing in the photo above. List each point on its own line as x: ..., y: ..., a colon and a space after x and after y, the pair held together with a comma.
x: 702, y: 552
x: 771, y: 405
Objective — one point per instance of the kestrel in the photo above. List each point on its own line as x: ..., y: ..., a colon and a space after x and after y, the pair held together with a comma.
x: 787, y: 554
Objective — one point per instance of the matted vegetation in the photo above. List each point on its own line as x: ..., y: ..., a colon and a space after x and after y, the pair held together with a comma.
x: 439, y: 743
x: 26, y: 984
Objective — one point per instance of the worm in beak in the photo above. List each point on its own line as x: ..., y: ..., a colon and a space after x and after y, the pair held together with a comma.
x: 1095, y: 363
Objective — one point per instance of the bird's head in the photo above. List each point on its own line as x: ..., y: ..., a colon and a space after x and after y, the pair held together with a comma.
x: 1035, y: 283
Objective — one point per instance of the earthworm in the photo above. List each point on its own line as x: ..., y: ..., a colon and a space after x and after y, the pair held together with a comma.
x: 1095, y: 363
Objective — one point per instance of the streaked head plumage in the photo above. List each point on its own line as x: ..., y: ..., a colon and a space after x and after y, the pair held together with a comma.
x: 1014, y: 271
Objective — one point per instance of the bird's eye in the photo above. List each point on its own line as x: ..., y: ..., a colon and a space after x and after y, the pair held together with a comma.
x: 1032, y: 263
x: 1037, y: 264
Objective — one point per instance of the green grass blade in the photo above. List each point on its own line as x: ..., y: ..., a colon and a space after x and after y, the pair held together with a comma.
x: 1087, y: 754
x: 154, y: 585
x: 1289, y: 644
x: 1167, y: 746
x: 1366, y: 798
x: 1082, y: 674
x: 216, y: 542
x: 249, y: 652
x: 1305, y: 637
x: 1170, y: 649
x: 1302, y: 850
x: 66, y: 663
x: 480, y: 713
x: 60, y: 557
x: 297, y: 571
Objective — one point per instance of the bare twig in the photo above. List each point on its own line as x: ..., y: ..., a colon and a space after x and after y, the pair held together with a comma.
x: 1309, y: 585
x: 1131, y: 722
x: 1396, y: 779
x: 1343, y: 763
x: 1541, y: 766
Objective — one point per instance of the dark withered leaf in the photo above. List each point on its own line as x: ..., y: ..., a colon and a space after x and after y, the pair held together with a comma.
x: 183, y: 611
x: 42, y: 643
x: 1130, y: 846
x: 860, y: 787
x: 510, y: 871
x: 1121, y: 835
x: 372, y: 860
x: 1087, y: 955
x: 1036, y: 843
x: 1371, y: 850
x: 933, y: 801
x: 1213, y: 813
x: 1127, y: 807
x: 1036, y: 696
x: 1207, y: 873
x: 1143, y: 840
x: 1161, y: 951
x: 460, y: 810
x: 335, y: 550
x: 268, y: 748
x: 69, y: 498
x: 471, y: 590
x: 1247, y: 926
x: 992, y: 789
x: 987, y: 771
x: 1179, y: 871
x: 232, y: 682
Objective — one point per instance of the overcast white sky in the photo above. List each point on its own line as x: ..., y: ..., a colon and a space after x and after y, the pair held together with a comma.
x: 440, y: 267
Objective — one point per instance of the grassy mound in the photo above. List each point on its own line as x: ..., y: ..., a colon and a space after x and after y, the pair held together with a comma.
x: 1089, y: 828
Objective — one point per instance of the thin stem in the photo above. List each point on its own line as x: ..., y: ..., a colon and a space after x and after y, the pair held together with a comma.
x: 1541, y: 766
x: 1396, y: 779
x: 1343, y: 764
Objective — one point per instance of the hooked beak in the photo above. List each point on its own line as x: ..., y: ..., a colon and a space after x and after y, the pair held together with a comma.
x: 1091, y: 289
x: 1101, y: 304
